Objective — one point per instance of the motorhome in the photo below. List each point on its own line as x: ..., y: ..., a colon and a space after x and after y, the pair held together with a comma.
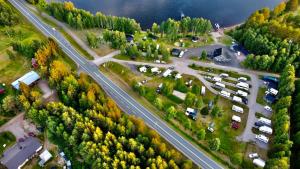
x: 224, y: 75
x: 237, y: 99
x: 242, y: 85
x: 262, y: 138
x: 225, y: 94
x: 237, y: 109
x: 241, y: 93
x: 265, y: 129
x: 242, y: 79
x: 259, y: 162
x: 266, y: 121
x: 236, y: 118
x: 203, y: 90
x: 167, y: 73
x: 219, y: 85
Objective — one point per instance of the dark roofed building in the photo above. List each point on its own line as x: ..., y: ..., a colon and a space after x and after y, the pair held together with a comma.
x: 218, y: 52
x: 16, y: 156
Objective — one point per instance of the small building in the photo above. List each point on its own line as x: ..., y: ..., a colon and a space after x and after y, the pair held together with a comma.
x: 237, y: 109
x: 143, y: 69
x: 218, y: 52
x: 236, y: 118
x: 259, y: 162
x: 192, y: 113
x: 167, y: 73
x: 203, y: 90
x: 18, y: 155
x: 45, y: 156
x: 29, y: 78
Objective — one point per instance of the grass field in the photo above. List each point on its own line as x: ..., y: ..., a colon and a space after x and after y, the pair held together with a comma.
x: 260, y: 96
x: 229, y: 145
x: 8, y: 139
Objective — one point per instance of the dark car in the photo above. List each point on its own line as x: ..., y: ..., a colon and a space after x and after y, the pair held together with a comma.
x: 258, y: 124
x: 244, y: 100
x: 21, y: 140
x: 129, y: 38
x: 31, y: 134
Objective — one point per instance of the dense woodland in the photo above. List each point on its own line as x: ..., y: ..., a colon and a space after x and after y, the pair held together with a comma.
x: 272, y: 36
x: 279, y: 153
x: 88, y: 126
x: 295, y: 113
x: 7, y: 15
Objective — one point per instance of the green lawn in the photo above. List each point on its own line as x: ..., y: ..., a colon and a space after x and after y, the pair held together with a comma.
x: 261, y: 95
x: 226, y: 40
x: 6, y: 138
x: 223, y: 130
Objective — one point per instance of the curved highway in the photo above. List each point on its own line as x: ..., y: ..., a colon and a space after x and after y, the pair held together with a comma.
x: 124, y: 101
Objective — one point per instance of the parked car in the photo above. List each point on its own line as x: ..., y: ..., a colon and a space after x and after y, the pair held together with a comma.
x: 21, y: 140
x: 31, y: 134
x: 211, y: 127
x: 253, y: 155
x: 235, y: 125
x: 245, y: 100
x: 268, y: 108
x: 258, y: 124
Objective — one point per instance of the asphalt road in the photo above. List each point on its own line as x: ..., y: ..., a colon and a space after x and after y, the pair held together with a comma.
x: 124, y: 101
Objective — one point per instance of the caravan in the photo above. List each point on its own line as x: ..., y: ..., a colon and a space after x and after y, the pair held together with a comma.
x: 236, y: 118
x: 242, y: 85
x: 265, y: 129
x: 219, y: 85
x: 225, y: 94
x: 237, y: 109
x: 265, y: 121
x: 237, y: 99
x: 241, y: 93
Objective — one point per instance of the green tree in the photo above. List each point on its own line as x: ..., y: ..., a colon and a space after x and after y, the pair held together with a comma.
x: 203, y: 55
x: 292, y: 5
x: 214, y: 144
x: 201, y: 134
x: 216, y: 111
x: 171, y: 112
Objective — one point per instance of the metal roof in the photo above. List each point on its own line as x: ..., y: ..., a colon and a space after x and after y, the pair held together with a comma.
x: 28, y: 79
x: 17, y: 155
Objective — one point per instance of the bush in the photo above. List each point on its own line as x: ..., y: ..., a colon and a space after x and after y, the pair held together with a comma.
x: 214, y: 144
x: 236, y: 158
x: 204, y: 111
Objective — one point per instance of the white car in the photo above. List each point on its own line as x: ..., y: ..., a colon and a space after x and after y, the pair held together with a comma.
x: 268, y: 108
x: 253, y: 155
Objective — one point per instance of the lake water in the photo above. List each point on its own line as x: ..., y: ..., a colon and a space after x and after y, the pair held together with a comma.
x: 224, y: 12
